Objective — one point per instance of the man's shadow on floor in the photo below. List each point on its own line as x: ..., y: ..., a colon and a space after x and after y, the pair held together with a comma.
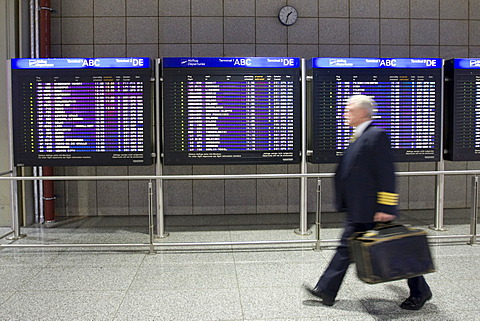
x: 384, y: 309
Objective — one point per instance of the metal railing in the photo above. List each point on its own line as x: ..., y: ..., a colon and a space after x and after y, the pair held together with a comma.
x: 151, y: 245
x: 12, y: 230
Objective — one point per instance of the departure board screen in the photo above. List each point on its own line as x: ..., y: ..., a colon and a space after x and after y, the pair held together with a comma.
x: 462, y: 106
x: 231, y: 110
x: 408, y: 94
x: 82, y: 111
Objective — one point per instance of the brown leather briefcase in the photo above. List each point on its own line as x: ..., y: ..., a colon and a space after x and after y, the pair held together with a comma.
x: 390, y: 252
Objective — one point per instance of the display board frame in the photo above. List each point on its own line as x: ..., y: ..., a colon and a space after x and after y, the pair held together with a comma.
x: 329, y: 134
x: 220, y: 72
x: 82, y: 111
x: 462, y: 117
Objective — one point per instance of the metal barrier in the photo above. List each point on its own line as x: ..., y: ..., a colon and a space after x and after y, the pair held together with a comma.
x: 316, y: 242
x: 474, y: 211
x: 11, y: 231
x: 6, y: 234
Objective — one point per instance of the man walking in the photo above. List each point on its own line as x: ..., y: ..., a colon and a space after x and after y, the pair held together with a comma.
x: 365, y: 189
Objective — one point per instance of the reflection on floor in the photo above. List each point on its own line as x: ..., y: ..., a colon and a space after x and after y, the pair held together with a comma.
x: 221, y: 282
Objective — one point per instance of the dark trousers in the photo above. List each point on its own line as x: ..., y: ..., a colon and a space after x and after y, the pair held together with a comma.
x: 332, y: 278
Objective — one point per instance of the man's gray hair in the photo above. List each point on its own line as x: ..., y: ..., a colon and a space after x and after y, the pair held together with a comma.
x: 365, y: 102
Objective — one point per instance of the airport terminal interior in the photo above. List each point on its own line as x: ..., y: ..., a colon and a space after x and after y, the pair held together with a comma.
x: 159, y: 231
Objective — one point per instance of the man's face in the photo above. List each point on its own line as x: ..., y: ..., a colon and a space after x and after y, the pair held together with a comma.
x: 355, y: 115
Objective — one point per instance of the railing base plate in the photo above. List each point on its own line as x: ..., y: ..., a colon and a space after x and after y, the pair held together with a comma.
x: 298, y: 232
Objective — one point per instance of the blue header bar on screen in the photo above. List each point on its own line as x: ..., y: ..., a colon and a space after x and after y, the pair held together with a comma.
x: 237, y: 62
x: 376, y: 63
x: 77, y: 63
x: 466, y: 63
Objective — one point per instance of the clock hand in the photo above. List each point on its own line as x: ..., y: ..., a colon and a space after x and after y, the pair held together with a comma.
x: 288, y: 15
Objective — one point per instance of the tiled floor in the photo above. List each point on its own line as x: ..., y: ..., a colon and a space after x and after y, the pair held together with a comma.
x: 240, y: 282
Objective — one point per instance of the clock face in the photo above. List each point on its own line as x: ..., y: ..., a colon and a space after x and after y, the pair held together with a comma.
x: 288, y: 15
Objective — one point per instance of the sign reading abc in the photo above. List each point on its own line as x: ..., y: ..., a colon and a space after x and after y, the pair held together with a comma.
x: 466, y: 63
x: 235, y: 62
x: 376, y: 63
x: 74, y: 63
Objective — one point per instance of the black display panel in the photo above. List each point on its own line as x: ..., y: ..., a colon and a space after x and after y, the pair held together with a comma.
x: 408, y: 94
x: 82, y: 112
x: 462, y: 110
x: 231, y: 111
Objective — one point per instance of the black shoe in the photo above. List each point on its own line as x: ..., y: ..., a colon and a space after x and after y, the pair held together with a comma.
x: 326, y: 300
x: 415, y: 303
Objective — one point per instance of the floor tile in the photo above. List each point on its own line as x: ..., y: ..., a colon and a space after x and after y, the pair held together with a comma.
x: 454, y: 249
x: 62, y: 305
x: 206, y: 255
x: 457, y: 294
x: 189, y: 276
x: 187, y: 304
x: 97, y: 259
x: 27, y: 257
x: 353, y: 317
x: 41, y: 236
x: 82, y: 278
x: 274, y: 274
x: 113, y: 236
x: 5, y: 295
x: 458, y: 267
x: 291, y: 303
x: 276, y: 254
x: 16, y: 277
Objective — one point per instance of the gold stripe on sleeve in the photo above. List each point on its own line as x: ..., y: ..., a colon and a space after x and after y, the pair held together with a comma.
x: 386, y: 198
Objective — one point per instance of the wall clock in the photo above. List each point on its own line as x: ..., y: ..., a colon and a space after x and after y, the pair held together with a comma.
x: 288, y: 15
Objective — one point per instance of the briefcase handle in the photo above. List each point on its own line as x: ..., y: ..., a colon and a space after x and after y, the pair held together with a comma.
x: 390, y: 228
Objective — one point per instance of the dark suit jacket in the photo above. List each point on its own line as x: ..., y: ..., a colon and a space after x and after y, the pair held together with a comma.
x: 365, y: 177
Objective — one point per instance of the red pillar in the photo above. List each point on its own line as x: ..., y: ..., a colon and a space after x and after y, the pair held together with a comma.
x: 45, y: 52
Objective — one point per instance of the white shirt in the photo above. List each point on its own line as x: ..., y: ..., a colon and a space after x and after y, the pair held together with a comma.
x: 361, y: 128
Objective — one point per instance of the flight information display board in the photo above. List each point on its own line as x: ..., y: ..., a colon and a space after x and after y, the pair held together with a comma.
x: 408, y: 94
x: 81, y: 111
x: 462, y: 110
x: 231, y: 110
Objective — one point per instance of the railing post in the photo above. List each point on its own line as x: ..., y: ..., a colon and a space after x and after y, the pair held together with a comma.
x: 318, y: 214
x: 160, y: 214
x: 439, y: 198
x: 303, y: 229
x: 150, y: 217
x: 474, y: 211
x: 159, y: 168
x: 14, y: 208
